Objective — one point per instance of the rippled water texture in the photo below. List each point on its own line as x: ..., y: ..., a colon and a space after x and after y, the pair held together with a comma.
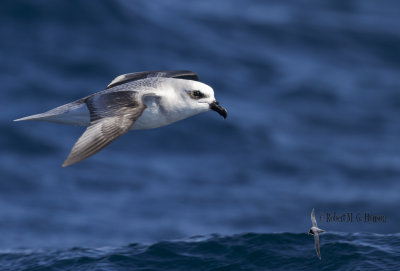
x: 239, y: 252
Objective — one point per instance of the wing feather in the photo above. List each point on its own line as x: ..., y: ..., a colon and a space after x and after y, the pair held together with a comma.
x: 313, y: 220
x: 316, y: 239
x: 111, y: 115
x: 129, y: 77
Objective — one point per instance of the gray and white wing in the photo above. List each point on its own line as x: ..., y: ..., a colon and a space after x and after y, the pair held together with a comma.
x: 316, y: 239
x: 129, y: 77
x: 313, y: 220
x: 111, y: 115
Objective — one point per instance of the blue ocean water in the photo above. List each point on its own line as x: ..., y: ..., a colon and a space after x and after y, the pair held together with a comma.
x: 312, y: 92
x: 238, y: 252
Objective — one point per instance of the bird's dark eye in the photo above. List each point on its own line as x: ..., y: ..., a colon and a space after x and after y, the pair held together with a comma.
x: 196, y: 94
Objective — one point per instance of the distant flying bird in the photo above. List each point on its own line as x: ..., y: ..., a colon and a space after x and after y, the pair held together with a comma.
x: 134, y: 101
x: 315, y: 231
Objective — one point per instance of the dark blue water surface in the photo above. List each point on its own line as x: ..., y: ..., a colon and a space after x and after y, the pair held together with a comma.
x: 238, y: 252
x: 313, y: 94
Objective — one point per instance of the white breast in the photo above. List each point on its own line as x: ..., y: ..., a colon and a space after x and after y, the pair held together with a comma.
x: 151, y: 118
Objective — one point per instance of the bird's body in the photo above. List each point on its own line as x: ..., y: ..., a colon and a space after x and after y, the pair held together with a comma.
x: 315, y: 231
x: 135, y: 101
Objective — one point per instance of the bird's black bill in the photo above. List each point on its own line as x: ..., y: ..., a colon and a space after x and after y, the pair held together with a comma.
x: 219, y: 109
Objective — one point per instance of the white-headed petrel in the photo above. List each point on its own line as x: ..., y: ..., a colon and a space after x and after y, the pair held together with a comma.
x: 134, y: 101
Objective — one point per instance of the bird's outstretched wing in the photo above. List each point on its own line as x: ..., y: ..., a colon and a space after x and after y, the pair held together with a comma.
x: 313, y: 220
x: 111, y: 115
x: 129, y: 77
x: 316, y: 239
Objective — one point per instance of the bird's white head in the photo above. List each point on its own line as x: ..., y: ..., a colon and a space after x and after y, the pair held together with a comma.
x: 197, y: 97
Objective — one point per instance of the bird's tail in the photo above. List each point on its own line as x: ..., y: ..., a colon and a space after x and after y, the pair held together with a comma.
x: 75, y: 113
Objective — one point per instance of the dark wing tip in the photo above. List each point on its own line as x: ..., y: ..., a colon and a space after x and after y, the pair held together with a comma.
x: 69, y: 162
x: 188, y: 75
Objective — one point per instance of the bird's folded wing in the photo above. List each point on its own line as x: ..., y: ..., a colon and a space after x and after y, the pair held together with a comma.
x: 111, y: 115
x: 129, y: 77
x: 313, y: 220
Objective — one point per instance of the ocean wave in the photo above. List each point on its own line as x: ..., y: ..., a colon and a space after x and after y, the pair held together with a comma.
x: 281, y: 251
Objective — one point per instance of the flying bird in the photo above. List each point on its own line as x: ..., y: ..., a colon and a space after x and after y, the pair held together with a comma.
x: 315, y: 231
x: 134, y: 101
